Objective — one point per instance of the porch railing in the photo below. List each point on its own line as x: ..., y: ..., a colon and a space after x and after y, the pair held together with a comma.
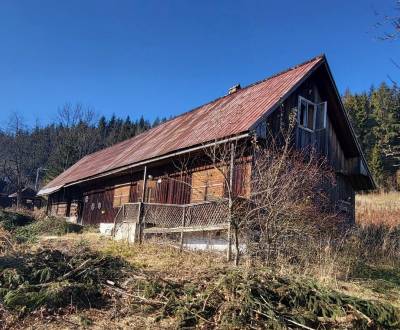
x: 153, y: 218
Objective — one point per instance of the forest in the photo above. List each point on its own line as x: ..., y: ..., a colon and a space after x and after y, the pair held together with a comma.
x: 44, y: 151
x: 375, y: 116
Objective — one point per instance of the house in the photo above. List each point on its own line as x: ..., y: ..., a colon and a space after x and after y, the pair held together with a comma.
x: 143, y: 170
x: 28, y: 199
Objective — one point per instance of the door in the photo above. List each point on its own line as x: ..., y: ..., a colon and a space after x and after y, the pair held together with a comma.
x: 92, y: 205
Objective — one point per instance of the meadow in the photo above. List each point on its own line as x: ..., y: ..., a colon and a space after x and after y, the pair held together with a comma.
x: 378, y: 208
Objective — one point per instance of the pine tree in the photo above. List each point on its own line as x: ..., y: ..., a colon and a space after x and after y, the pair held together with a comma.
x: 376, y: 165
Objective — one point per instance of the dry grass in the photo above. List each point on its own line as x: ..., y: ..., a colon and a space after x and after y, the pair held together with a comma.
x: 200, y: 269
x: 345, y: 274
x: 378, y: 208
x: 165, y: 260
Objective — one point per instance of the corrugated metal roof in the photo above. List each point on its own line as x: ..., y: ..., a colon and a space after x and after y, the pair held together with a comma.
x: 226, y: 116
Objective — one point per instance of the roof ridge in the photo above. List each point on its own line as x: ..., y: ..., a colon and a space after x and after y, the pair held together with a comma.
x: 321, y: 56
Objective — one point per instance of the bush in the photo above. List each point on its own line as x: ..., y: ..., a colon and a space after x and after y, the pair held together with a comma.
x: 48, y: 226
x: 12, y: 220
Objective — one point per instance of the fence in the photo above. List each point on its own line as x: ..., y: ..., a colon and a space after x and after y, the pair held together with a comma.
x: 154, y: 218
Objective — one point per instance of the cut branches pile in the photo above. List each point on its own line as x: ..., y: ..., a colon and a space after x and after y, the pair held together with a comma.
x: 54, y: 279
x: 260, y: 299
x: 237, y: 298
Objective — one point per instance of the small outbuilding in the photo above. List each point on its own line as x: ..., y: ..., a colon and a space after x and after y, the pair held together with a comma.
x: 28, y: 199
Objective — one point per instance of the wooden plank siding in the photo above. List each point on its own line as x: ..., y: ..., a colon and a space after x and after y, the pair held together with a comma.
x: 100, y: 201
x: 208, y: 184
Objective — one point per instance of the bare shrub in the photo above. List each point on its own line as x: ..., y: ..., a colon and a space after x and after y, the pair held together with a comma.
x: 289, y: 213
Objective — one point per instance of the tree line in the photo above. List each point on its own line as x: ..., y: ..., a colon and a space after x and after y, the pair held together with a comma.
x: 375, y: 116
x: 46, y: 151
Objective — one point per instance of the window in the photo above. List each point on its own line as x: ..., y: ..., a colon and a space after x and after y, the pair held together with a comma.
x: 311, y: 116
x: 207, y: 185
x: 121, y: 196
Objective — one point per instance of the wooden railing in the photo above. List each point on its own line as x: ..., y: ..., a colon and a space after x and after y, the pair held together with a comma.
x: 153, y: 218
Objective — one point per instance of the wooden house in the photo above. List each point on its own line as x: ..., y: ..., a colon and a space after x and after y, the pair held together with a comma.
x: 144, y: 168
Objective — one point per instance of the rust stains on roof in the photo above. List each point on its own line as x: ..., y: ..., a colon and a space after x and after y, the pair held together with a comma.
x: 229, y: 115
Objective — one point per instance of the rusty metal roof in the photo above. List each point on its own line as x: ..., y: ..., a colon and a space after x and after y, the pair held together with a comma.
x: 226, y: 116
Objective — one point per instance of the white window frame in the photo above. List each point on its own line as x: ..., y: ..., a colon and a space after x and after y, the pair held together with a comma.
x: 316, y: 108
x: 307, y: 102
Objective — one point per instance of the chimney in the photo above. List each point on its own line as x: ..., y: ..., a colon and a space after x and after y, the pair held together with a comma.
x: 234, y: 89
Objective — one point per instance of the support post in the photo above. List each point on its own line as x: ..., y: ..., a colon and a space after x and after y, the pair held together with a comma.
x: 183, y: 225
x: 230, y: 203
x: 140, y: 207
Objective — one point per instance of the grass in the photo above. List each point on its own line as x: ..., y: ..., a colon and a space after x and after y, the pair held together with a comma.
x: 378, y: 281
x: 155, y: 287
x: 167, y: 260
x: 378, y: 208
x: 27, y: 229
x: 202, y: 274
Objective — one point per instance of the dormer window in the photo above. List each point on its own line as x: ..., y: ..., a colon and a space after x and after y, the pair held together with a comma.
x: 311, y: 116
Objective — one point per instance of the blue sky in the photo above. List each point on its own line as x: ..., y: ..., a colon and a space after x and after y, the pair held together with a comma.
x: 166, y: 57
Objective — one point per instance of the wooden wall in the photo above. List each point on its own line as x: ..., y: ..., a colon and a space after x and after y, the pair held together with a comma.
x: 326, y: 142
x: 100, y: 200
x: 208, y: 184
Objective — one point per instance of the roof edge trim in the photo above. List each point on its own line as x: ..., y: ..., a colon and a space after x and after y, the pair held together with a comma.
x: 362, y: 156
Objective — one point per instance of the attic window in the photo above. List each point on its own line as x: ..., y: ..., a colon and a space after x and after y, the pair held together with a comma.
x: 311, y: 116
